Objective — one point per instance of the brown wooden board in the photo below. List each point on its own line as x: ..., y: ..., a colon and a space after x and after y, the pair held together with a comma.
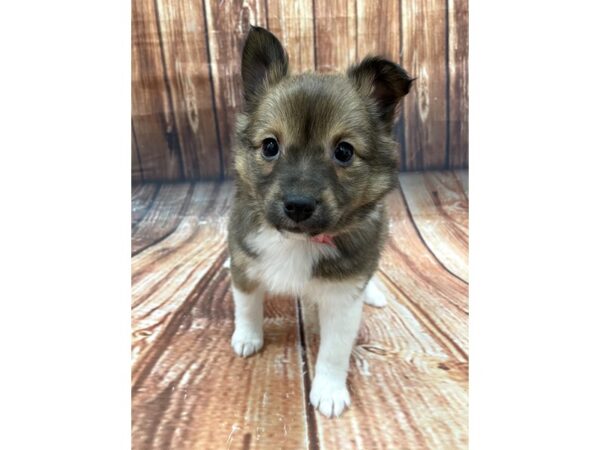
x: 376, y: 35
x: 142, y: 197
x: 183, y: 34
x: 458, y: 55
x: 463, y: 179
x: 437, y: 297
x: 137, y: 174
x: 228, y: 23
x: 425, y: 108
x: 335, y: 34
x: 151, y: 111
x: 438, y: 206
x: 162, y: 218
x: 293, y: 25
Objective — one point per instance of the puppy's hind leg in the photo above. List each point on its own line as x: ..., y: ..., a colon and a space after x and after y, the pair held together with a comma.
x: 247, y: 338
x: 373, y: 294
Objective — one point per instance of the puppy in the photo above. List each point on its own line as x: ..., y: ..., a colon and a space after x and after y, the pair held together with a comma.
x: 314, y: 158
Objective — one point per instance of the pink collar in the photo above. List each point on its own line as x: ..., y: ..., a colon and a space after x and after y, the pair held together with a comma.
x: 326, y: 239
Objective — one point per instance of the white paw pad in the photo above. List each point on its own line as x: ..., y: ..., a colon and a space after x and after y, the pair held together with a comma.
x: 246, y: 343
x: 373, y: 294
x: 329, y: 397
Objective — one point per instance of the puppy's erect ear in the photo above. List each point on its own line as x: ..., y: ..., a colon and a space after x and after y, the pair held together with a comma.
x: 264, y: 63
x: 383, y: 81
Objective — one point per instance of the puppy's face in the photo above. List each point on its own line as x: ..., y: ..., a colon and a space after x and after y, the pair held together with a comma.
x: 314, y: 150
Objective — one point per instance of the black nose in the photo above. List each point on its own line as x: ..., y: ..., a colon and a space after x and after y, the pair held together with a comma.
x: 298, y: 207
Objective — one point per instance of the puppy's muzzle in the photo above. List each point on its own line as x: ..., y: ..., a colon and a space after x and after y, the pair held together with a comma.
x: 299, y: 207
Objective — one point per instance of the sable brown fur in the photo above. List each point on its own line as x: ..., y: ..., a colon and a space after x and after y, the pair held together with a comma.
x: 308, y: 115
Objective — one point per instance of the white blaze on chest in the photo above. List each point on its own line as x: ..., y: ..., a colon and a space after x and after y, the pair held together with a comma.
x: 284, y: 264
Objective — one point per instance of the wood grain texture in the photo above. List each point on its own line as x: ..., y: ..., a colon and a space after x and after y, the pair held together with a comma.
x: 167, y: 271
x: 409, y: 369
x: 463, y: 179
x: 458, y: 93
x: 228, y: 23
x: 292, y: 23
x: 183, y: 34
x: 335, y: 34
x: 377, y: 36
x: 142, y: 197
x: 425, y: 108
x: 137, y: 174
x: 438, y: 206
x: 186, y: 80
x: 436, y: 297
x: 151, y: 109
x: 162, y: 218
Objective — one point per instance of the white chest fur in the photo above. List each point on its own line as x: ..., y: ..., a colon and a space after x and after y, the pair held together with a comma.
x: 285, y: 263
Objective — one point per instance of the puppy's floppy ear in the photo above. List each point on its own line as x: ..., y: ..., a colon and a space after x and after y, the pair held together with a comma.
x: 383, y: 81
x: 264, y: 63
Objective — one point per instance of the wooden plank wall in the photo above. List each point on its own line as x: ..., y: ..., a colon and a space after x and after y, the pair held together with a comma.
x: 186, y: 74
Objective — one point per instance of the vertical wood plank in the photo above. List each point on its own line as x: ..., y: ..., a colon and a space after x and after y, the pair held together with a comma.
x: 292, y: 23
x: 335, y: 34
x: 183, y: 34
x: 424, y: 56
x: 137, y: 173
x: 227, y: 23
x: 152, y: 116
x: 378, y: 28
x: 458, y: 55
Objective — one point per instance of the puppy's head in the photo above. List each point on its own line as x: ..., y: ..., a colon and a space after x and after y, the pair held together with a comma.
x: 314, y: 150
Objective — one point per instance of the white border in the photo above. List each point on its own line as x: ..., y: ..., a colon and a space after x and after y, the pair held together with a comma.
x: 65, y: 187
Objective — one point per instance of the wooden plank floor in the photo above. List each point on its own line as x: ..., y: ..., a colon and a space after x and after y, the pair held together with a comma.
x: 409, y: 369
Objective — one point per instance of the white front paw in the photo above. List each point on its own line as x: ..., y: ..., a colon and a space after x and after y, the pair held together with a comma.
x: 329, y: 396
x: 246, y: 342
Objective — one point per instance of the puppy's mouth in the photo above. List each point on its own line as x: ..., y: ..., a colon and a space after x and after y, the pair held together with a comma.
x: 299, y: 230
x: 312, y: 236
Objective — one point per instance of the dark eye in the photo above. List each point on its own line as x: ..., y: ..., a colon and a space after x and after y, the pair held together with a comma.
x: 343, y: 153
x: 270, y: 149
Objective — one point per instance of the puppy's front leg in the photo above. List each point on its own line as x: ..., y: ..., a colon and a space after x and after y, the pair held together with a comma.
x: 248, y: 335
x: 339, y: 319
